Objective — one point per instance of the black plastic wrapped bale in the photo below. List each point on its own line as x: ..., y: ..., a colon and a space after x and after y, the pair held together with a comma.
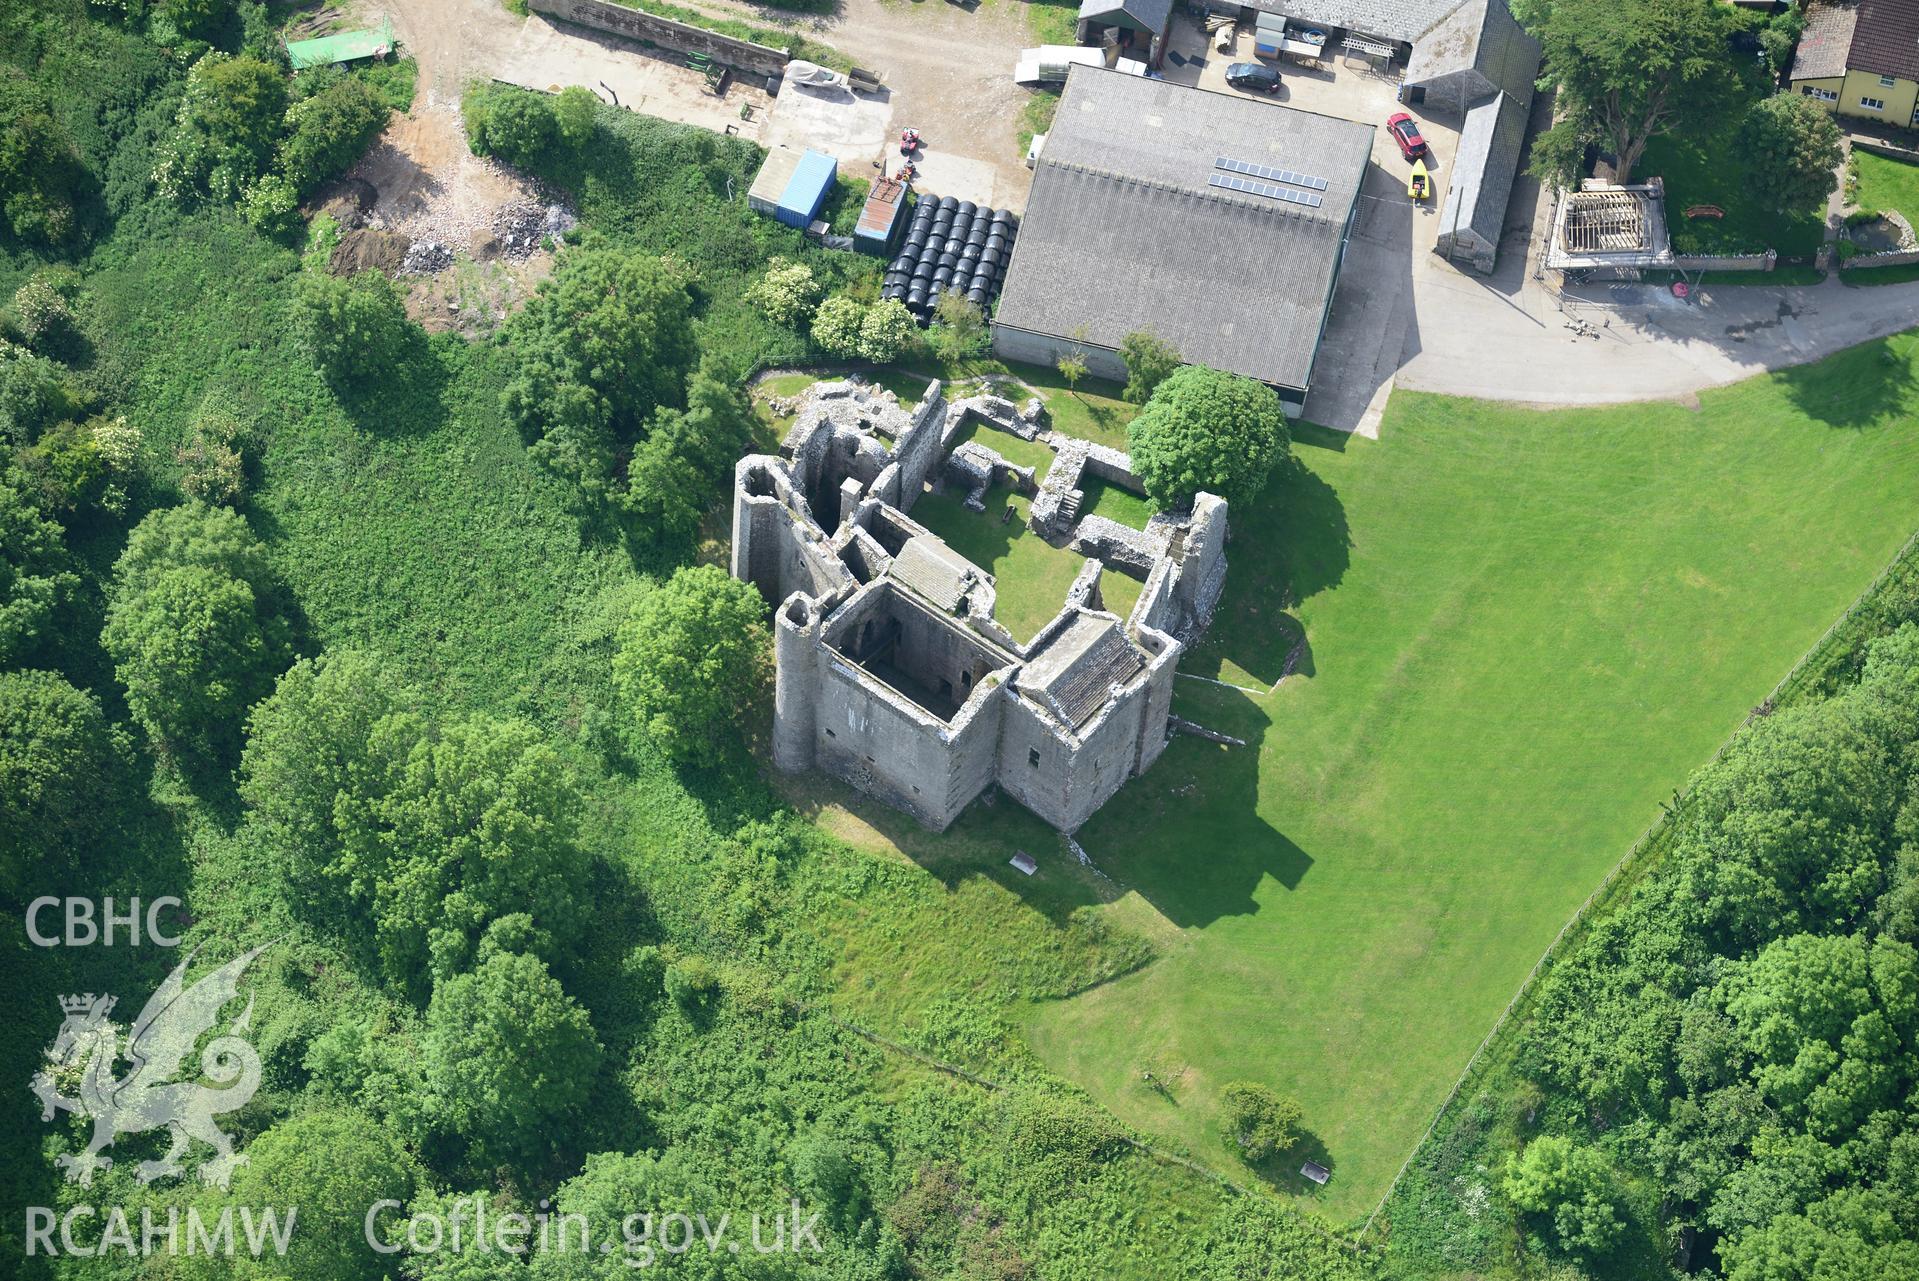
x: 949, y: 203
x: 942, y: 277
x: 925, y: 270
x: 947, y: 259
x: 989, y: 258
x: 968, y: 208
x: 976, y: 296
x: 978, y: 234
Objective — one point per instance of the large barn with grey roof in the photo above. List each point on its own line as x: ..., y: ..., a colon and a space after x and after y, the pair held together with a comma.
x: 1215, y: 221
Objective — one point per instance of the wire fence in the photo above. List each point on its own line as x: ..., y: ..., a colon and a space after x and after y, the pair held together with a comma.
x: 1603, y: 892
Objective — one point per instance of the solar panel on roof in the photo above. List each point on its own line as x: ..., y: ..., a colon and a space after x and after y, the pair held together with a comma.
x: 1253, y: 187
x: 1268, y: 172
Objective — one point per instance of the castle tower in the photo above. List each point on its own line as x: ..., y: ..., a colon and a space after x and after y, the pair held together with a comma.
x: 796, y: 678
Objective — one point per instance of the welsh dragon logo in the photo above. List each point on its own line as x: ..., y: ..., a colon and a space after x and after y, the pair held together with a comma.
x: 148, y: 1097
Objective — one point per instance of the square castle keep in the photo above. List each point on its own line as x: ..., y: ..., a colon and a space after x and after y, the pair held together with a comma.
x: 892, y: 672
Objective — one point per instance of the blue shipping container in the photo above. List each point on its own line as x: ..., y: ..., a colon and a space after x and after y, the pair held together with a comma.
x: 806, y: 190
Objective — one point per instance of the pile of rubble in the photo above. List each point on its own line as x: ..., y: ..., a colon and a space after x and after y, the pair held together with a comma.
x: 426, y: 258
x: 520, y: 229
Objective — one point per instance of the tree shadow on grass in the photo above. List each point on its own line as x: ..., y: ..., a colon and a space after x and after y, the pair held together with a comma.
x: 409, y: 404
x: 1187, y: 835
x: 1859, y: 387
x: 1284, y: 1170
x: 1288, y: 545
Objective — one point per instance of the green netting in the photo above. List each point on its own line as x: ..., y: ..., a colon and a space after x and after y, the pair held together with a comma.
x: 342, y: 46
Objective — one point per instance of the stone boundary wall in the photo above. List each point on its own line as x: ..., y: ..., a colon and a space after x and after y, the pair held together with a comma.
x: 1891, y: 258
x: 1885, y: 149
x: 1726, y: 262
x: 741, y: 55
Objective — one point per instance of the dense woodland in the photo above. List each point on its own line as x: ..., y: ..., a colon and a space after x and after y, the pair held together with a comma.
x: 339, y: 633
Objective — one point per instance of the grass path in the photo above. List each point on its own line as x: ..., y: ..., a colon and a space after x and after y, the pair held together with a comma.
x: 1524, y: 631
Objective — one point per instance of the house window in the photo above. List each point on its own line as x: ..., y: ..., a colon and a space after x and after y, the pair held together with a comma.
x: 1873, y: 104
x: 1887, y: 82
x: 1824, y: 95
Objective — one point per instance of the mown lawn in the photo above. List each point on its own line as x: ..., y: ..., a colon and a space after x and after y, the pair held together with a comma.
x: 1115, y: 503
x: 1713, y: 173
x: 1523, y: 631
x: 1030, y: 575
x: 1885, y: 183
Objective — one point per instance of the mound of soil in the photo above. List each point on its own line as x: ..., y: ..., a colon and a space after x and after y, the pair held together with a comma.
x: 347, y: 201
x: 367, y: 249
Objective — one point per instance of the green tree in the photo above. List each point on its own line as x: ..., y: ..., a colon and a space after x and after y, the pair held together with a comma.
x: 514, y: 125
x: 606, y: 343
x: 226, y: 131
x: 193, y: 628
x: 195, y: 19
x: 322, y: 754
x: 836, y: 326
x: 356, y: 327
x: 61, y: 766
x: 1626, y: 71
x: 959, y: 328
x: 1150, y: 361
x: 34, y: 394
x: 826, y: 1173
x: 413, y: 839
x: 42, y: 179
x: 888, y: 332
x: 1258, y: 1120
x: 1571, y: 1186
x: 332, y: 1166
x: 576, y: 112
x: 1825, y: 1019
x: 1204, y: 430
x: 1792, y: 147
x: 481, y: 823
x: 327, y: 132
x: 1072, y: 367
x: 787, y: 293
x: 213, y: 461
x: 82, y: 466
x: 509, y: 1057
x: 42, y: 315
x: 675, y: 474
x: 690, y: 662
x: 35, y: 575
x: 1856, y: 1234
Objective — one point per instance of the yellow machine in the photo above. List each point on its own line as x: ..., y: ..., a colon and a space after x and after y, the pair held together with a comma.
x: 1420, y: 185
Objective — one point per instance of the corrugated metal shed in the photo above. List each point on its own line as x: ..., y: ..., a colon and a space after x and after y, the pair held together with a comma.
x: 771, y: 183
x: 880, y: 216
x: 807, y: 189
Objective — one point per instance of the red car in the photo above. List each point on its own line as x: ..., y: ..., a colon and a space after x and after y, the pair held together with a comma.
x: 1405, y: 132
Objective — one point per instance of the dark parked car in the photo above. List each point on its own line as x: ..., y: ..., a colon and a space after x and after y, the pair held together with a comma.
x: 1254, y: 77
x: 1405, y: 132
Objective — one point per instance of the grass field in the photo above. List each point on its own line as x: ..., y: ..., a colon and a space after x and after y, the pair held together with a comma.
x: 1525, y: 629
x: 1712, y: 173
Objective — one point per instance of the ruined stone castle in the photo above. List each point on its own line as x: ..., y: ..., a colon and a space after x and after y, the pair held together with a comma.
x: 892, y: 671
